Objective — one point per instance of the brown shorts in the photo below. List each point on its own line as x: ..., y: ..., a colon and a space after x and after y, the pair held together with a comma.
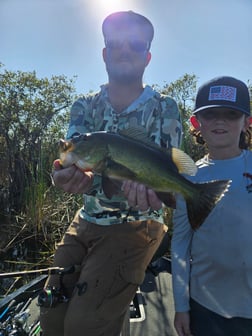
x: 113, y: 261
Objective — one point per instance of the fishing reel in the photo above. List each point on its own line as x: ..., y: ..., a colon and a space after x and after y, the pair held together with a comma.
x: 49, y: 297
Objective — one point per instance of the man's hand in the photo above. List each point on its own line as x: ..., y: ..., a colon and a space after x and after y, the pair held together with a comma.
x: 71, y: 179
x: 140, y: 197
x: 182, y: 324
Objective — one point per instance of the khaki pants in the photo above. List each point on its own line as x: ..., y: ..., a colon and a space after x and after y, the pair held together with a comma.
x: 113, y: 261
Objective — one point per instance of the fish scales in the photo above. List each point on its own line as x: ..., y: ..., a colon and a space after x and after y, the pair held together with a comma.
x: 130, y: 155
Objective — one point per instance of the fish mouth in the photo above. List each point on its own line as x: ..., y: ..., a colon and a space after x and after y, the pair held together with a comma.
x: 66, y: 160
x: 84, y: 165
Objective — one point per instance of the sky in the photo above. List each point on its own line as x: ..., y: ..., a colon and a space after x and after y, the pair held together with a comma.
x: 206, y: 38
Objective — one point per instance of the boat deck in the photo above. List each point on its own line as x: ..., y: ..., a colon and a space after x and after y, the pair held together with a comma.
x: 151, y: 312
x: 155, y: 300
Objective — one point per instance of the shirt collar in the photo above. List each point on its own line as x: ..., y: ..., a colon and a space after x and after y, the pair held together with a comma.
x: 147, y: 93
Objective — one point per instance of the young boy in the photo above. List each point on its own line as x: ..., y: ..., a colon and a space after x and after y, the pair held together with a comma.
x: 212, y: 266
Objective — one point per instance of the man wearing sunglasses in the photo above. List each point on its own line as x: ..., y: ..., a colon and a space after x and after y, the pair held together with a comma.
x: 112, y: 240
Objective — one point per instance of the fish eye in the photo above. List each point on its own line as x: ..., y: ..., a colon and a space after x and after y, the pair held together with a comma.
x: 64, y: 145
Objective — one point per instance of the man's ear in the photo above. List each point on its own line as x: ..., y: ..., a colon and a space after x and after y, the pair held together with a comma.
x: 195, y: 123
x: 104, y: 51
x: 148, y: 58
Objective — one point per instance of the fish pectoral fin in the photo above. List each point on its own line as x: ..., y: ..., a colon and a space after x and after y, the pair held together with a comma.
x: 168, y: 199
x: 113, y: 176
x: 117, y: 171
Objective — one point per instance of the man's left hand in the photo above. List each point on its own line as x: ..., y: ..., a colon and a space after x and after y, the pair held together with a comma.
x: 140, y: 197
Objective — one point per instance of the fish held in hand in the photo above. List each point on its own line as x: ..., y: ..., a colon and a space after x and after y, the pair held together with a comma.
x: 130, y: 155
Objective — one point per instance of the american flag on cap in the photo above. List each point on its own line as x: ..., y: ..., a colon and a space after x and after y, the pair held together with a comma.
x: 222, y: 92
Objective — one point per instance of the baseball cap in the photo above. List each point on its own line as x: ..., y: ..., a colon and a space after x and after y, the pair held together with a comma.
x: 126, y: 19
x: 223, y: 91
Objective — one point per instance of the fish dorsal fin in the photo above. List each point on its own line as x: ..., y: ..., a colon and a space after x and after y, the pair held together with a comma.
x: 183, y: 162
x: 139, y: 134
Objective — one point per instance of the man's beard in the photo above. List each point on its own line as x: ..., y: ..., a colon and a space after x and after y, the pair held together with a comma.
x: 123, y: 77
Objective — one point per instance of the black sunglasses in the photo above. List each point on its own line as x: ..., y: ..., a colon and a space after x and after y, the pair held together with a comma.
x: 135, y: 45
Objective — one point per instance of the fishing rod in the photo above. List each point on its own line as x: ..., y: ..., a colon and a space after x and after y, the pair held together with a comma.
x: 14, y: 319
x: 49, y: 270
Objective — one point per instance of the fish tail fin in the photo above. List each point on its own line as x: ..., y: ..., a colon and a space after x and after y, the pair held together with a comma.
x: 201, y: 204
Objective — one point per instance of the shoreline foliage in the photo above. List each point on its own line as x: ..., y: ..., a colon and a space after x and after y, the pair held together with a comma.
x: 34, y: 115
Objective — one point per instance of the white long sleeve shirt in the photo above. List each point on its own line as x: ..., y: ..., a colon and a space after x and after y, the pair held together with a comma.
x: 213, y: 265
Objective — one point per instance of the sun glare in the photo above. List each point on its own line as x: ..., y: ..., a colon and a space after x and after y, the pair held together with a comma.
x: 110, y: 6
x: 101, y: 8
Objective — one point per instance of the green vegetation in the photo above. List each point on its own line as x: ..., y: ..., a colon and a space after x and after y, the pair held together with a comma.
x: 34, y: 115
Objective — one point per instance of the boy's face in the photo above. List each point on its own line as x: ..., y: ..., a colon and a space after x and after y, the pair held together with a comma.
x: 127, y: 53
x: 221, y: 127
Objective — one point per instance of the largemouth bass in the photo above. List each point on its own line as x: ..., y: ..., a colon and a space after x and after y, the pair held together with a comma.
x: 130, y: 155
